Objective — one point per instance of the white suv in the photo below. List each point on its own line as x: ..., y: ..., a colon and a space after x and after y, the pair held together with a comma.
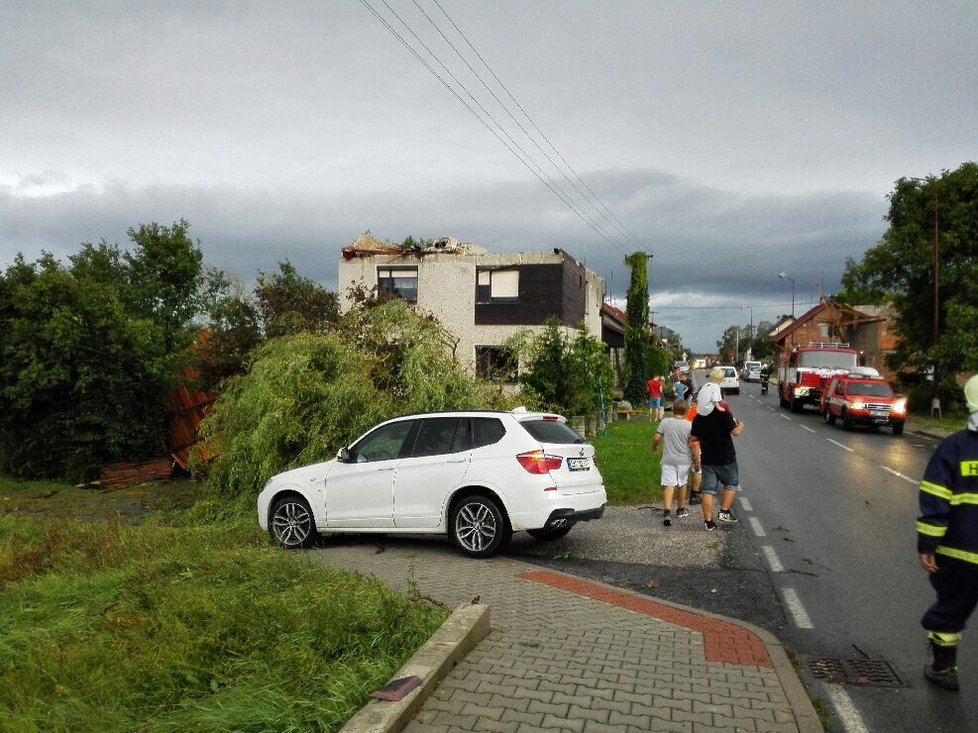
x: 477, y: 476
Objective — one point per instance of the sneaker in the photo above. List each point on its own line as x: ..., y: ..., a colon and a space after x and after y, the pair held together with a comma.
x: 667, y: 522
x: 694, y: 498
x: 727, y: 516
x: 682, y: 512
x: 710, y: 526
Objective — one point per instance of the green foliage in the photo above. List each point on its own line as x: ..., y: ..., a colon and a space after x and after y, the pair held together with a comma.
x: 164, y: 276
x: 659, y: 361
x: 900, y: 270
x: 636, y: 328
x: 304, y: 397
x: 290, y: 304
x: 84, y: 378
x: 567, y: 376
x: 114, y: 628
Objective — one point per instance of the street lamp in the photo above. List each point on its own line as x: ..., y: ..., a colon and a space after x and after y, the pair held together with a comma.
x: 786, y: 276
x: 750, y: 332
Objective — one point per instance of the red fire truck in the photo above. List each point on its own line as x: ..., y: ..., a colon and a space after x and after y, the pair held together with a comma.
x: 805, y: 371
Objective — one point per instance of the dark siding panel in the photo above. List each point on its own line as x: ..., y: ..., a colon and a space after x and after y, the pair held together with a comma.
x: 540, y: 298
x: 575, y: 293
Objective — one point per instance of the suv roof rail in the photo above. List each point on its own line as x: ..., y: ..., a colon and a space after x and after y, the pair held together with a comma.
x: 828, y: 344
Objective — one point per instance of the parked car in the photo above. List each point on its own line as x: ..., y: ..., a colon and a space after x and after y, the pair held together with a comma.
x: 863, y: 397
x: 682, y: 366
x: 751, y: 371
x: 730, y: 383
x: 477, y: 476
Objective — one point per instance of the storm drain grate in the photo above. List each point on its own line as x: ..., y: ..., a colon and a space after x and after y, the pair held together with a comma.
x: 872, y: 672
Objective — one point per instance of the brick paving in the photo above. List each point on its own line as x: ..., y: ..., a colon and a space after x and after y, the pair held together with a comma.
x: 566, y: 654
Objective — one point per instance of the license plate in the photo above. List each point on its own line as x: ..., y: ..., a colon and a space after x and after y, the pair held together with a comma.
x: 880, y: 413
x: 578, y: 464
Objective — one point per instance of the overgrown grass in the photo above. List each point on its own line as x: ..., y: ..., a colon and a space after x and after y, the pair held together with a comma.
x: 627, y: 464
x: 192, y: 621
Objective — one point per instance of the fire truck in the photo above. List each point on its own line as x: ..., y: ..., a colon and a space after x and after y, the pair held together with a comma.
x: 805, y: 371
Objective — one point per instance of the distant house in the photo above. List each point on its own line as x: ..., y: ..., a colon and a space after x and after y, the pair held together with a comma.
x: 482, y: 298
x: 866, y: 328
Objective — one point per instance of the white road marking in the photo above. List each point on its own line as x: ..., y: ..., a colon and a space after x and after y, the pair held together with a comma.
x: 797, y: 610
x: 844, y: 447
x: 850, y: 718
x: 745, y: 503
x: 805, y: 427
x: 899, y: 475
x: 755, y: 524
x: 786, y: 417
x: 772, y: 559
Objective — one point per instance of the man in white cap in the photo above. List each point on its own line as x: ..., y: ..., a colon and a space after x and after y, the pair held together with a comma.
x: 947, y: 542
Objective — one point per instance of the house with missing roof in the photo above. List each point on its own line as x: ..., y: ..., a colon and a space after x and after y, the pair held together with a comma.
x: 483, y: 298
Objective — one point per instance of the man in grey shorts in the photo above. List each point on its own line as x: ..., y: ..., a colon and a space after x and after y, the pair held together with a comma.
x: 711, y: 442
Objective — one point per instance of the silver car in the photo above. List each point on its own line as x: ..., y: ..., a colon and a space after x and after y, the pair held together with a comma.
x: 476, y: 476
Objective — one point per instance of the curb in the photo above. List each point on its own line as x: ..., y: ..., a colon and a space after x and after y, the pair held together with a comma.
x: 466, y: 627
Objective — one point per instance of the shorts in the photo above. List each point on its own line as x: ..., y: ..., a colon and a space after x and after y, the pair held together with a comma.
x: 674, y: 474
x: 717, y: 477
x: 655, y: 403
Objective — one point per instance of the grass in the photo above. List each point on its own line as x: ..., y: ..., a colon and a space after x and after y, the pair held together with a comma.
x: 627, y: 464
x: 190, y: 620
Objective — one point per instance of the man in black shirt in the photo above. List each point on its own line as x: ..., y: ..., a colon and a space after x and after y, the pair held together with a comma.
x: 711, y: 442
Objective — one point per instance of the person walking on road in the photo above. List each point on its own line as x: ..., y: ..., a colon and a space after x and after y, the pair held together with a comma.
x: 654, y: 386
x: 673, y: 434
x: 679, y: 386
x: 947, y: 542
x: 711, y: 441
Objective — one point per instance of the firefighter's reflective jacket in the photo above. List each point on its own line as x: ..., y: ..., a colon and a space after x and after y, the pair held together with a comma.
x: 948, y: 522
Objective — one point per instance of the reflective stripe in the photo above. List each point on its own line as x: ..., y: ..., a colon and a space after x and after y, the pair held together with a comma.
x: 944, y: 638
x: 938, y: 491
x: 930, y: 530
x: 954, y: 552
x: 964, y: 499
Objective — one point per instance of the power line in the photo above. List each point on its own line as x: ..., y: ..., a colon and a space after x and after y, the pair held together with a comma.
x: 487, y: 120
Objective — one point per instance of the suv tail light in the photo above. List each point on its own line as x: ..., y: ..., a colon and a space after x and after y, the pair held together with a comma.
x: 536, y: 461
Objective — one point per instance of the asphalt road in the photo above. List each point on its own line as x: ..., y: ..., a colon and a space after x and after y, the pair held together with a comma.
x: 824, y: 557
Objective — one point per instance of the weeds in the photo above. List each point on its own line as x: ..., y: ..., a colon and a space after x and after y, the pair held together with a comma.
x: 191, y: 620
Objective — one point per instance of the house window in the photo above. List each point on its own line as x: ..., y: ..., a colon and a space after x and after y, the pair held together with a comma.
x: 399, y: 281
x: 496, y: 363
x: 497, y: 286
x: 823, y: 329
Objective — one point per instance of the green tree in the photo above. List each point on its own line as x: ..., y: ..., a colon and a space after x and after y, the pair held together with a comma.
x: 291, y: 304
x: 83, y: 378
x: 165, y: 279
x: 636, y: 328
x: 939, y: 213
x: 545, y: 372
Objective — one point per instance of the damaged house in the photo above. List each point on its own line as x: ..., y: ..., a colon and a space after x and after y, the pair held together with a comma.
x: 483, y: 298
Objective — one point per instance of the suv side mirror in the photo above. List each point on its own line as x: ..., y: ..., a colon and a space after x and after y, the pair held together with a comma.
x: 343, y: 455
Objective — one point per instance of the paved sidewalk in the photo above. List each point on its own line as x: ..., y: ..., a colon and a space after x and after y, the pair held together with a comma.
x: 566, y: 654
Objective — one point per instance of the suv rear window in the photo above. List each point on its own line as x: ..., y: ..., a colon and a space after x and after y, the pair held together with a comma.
x: 551, y: 431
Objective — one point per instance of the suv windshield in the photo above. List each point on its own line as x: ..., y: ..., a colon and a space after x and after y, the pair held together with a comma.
x: 871, y: 389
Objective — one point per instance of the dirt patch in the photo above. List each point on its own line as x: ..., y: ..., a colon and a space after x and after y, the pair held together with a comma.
x: 91, y: 503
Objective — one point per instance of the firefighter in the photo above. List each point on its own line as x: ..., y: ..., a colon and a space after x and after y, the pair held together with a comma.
x: 947, y: 542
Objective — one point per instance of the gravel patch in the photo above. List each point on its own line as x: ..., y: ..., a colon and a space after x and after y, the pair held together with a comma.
x: 630, y: 534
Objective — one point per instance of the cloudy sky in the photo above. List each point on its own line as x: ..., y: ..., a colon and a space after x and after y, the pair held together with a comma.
x: 734, y: 140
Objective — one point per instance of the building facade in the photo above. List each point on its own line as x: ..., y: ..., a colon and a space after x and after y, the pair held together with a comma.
x: 482, y: 298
